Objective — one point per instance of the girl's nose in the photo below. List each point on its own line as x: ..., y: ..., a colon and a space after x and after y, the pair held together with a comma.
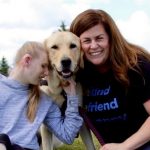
x: 46, y: 72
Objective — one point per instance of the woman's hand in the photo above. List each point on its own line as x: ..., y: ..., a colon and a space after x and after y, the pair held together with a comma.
x: 70, y: 88
x: 114, y: 146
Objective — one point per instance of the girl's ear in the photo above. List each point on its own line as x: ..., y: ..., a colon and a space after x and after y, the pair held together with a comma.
x: 26, y: 60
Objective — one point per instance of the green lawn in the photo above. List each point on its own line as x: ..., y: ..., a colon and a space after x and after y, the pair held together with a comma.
x: 78, y: 145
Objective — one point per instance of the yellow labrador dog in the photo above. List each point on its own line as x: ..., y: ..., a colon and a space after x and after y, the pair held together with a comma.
x: 65, y: 59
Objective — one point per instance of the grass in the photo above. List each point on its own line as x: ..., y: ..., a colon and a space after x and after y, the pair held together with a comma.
x: 78, y: 145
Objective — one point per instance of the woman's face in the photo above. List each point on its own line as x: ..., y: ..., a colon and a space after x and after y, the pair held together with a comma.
x: 95, y: 44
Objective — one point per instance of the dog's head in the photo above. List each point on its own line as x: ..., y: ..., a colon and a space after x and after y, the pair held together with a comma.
x: 64, y: 53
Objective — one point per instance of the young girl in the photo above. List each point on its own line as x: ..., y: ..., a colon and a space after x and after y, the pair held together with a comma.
x: 23, y: 107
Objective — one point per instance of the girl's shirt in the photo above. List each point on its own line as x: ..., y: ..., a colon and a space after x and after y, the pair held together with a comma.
x: 14, y: 122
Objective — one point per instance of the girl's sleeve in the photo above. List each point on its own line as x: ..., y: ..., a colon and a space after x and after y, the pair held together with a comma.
x: 65, y: 127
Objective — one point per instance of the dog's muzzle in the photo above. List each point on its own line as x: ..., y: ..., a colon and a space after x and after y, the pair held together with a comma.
x: 66, y: 71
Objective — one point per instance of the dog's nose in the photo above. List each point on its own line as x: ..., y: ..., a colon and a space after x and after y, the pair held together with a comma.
x: 66, y: 63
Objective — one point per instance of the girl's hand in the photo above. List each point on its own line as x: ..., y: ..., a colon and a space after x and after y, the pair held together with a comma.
x: 70, y: 88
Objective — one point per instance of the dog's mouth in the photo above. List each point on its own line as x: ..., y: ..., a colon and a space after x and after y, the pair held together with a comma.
x: 66, y: 73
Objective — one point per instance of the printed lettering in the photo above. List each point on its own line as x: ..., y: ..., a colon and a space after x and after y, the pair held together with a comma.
x: 95, y: 107
x: 122, y: 117
x: 99, y: 92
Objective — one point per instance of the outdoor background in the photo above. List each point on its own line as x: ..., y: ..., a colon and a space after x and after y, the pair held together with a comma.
x: 23, y: 20
x: 78, y: 145
x: 35, y: 20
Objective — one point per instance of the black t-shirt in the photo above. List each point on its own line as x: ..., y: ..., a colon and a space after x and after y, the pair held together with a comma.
x: 115, y: 112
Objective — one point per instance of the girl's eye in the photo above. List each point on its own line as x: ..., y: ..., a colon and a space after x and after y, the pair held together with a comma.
x: 44, y: 66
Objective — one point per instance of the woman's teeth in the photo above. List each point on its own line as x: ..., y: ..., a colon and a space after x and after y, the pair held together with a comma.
x: 95, y: 53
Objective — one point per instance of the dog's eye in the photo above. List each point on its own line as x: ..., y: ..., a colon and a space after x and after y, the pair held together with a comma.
x: 73, y: 45
x: 54, y: 47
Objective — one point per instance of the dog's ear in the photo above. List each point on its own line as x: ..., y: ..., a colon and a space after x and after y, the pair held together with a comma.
x: 81, y: 64
x: 45, y: 43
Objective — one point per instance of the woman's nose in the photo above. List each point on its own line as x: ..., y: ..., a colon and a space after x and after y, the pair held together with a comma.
x: 94, y: 44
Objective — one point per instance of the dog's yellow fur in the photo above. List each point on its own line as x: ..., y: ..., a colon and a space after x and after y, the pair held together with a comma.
x: 61, y: 46
x: 64, y: 52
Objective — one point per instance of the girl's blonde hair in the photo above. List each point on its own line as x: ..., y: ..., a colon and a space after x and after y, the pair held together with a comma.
x: 34, y: 49
x: 123, y: 55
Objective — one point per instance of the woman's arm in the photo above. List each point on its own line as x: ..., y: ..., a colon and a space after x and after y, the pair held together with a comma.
x: 136, y: 140
x: 141, y: 137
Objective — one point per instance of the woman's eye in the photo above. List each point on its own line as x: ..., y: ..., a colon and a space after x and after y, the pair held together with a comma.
x: 86, y: 41
x: 100, y: 38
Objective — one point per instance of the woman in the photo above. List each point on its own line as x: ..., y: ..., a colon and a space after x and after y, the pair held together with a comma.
x: 116, y: 82
x: 23, y: 107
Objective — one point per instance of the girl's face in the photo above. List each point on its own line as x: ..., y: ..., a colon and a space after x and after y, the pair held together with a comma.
x: 95, y: 44
x: 38, y: 68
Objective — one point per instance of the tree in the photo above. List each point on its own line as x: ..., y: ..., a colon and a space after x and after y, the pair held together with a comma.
x: 63, y: 26
x: 4, y: 67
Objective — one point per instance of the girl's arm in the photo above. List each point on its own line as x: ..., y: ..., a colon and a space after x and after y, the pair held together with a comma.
x: 65, y: 127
